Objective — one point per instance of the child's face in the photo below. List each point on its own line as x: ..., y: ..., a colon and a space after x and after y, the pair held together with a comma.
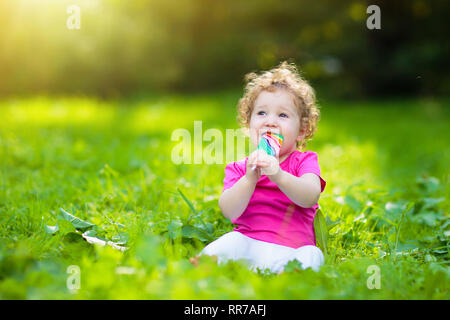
x: 277, y: 113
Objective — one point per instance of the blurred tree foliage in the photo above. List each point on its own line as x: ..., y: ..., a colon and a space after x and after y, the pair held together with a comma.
x: 125, y: 47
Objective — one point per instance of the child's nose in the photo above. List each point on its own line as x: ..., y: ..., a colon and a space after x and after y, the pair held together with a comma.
x: 271, y: 121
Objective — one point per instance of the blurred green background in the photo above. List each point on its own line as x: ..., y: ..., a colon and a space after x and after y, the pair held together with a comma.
x: 87, y: 116
x: 142, y: 46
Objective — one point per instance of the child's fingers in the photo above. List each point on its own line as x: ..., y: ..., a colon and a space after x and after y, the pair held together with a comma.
x: 261, y: 155
x: 261, y: 164
x: 252, y: 158
x: 259, y: 159
x: 258, y: 155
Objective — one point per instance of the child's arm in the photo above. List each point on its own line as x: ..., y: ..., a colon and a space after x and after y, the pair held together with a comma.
x: 303, y: 191
x: 234, y: 200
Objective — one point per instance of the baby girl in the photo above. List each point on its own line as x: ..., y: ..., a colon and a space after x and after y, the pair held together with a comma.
x: 273, y: 201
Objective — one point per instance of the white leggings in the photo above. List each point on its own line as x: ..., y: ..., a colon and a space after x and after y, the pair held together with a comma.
x: 260, y: 254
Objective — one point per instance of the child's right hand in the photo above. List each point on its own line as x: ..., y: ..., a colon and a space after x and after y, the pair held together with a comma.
x: 254, y: 161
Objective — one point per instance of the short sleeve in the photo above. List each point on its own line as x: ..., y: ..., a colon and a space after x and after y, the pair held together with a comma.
x: 233, y: 172
x: 309, y: 164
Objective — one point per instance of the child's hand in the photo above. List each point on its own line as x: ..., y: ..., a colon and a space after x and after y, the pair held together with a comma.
x: 264, y: 163
x: 253, y: 172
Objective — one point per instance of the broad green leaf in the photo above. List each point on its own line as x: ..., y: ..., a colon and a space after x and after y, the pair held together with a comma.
x: 199, y: 218
x: 65, y: 226
x: 189, y: 231
x: 429, y: 218
x: 94, y: 234
x: 174, y: 229
x: 430, y: 184
x: 293, y: 265
x: 431, y: 203
x: 73, y: 237
x: 321, y: 231
x: 408, y: 245
x: 394, y: 210
x: 51, y: 229
x: 76, y: 222
x: 121, y: 238
x: 209, y: 228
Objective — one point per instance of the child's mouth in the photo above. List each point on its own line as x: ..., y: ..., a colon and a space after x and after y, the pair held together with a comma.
x: 270, y: 132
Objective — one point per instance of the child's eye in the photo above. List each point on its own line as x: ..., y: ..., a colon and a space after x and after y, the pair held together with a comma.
x: 283, y: 115
x: 261, y: 113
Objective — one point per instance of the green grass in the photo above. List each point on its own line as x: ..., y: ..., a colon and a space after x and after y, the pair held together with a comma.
x: 109, y: 164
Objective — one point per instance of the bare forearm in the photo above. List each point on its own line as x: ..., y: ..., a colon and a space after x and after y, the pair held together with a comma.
x: 234, y: 200
x: 301, y: 191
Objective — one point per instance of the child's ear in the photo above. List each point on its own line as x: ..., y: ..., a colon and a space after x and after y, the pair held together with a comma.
x: 301, y: 134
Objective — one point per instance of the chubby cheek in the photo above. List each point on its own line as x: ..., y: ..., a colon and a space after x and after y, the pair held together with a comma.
x: 290, y: 140
x: 288, y: 145
x: 285, y: 147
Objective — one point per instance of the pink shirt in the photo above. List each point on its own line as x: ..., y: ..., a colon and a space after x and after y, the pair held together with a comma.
x: 270, y: 215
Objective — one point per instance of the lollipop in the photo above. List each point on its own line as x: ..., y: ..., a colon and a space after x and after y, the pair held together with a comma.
x: 271, y: 144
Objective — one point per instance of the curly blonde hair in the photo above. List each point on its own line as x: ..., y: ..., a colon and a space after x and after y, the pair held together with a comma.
x: 285, y: 76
